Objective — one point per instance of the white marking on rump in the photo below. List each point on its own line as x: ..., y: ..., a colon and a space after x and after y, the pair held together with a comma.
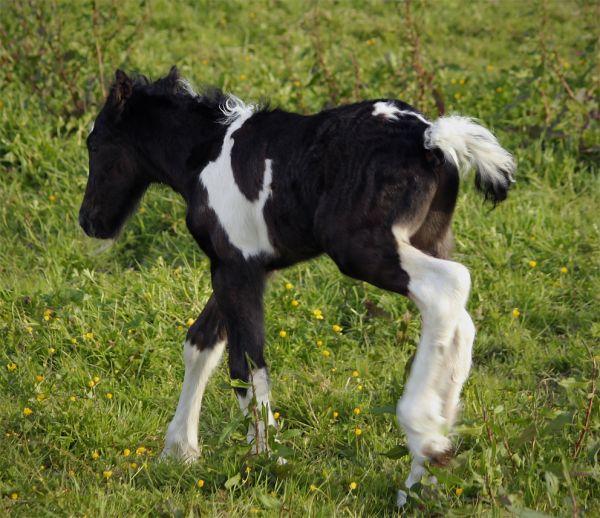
x: 390, y: 111
x: 182, y: 434
x: 242, y: 220
x: 259, y: 379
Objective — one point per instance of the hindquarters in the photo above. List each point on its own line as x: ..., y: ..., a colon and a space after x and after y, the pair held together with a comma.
x: 418, y: 192
x: 434, y: 236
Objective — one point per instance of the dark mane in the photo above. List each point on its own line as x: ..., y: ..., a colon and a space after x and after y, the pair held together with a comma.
x: 179, y: 89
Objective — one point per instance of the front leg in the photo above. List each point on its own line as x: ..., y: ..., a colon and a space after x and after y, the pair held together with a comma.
x: 202, y: 353
x: 239, y: 290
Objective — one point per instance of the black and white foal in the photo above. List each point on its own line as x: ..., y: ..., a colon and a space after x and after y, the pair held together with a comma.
x: 373, y: 185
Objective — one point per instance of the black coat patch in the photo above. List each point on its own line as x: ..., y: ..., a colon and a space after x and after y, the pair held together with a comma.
x: 248, y: 160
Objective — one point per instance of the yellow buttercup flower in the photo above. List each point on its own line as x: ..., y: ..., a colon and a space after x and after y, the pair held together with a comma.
x: 14, y: 496
x: 51, y: 350
x: 109, y: 395
x: 72, y: 398
x: 359, y: 387
x: 353, y: 486
x: 335, y: 414
x: 107, y: 474
x: 355, y: 374
x: 141, y: 450
x: 91, y: 383
x: 52, y: 198
x: 295, y: 303
x: 11, y: 367
x: 282, y: 333
x: 319, y: 343
x: 516, y: 313
x: 289, y: 286
x: 532, y: 264
x: 459, y: 491
x: 357, y: 431
x: 39, y: 378
x: 326, y: 353
x: 356, y: 410
x: 126, y: 452
x: 276, y: 415
x: 200, y: 483
x: 190, y: 321
x: 40, y: 397
x: 27, y: 411
x: 564, y: 269
x: 336, y: 328
x: 95, y: 455
x: 313, y: 487
x: 133, y: 465
x: 88, y: 336
x: 96, y: 379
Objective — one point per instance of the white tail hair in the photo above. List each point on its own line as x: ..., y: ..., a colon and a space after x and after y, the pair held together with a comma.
x: 468, y: 145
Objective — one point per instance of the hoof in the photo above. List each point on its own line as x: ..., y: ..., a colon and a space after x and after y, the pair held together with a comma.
x: 440, y: 459
x: 436, y: 448
x: 401, y: 498
x: 182, y: 452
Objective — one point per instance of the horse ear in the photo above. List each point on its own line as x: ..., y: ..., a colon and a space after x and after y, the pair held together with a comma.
x: 121, y: 89
x: 174, y: 74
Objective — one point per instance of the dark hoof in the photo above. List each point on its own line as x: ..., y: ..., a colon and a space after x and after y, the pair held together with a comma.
x: 440, y: 459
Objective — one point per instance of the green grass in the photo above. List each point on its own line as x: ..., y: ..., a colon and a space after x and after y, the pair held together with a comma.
x: 70, y: 314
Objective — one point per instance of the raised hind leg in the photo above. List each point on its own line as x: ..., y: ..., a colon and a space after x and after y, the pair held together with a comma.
x: 458, y: 362
x: 440, y: 289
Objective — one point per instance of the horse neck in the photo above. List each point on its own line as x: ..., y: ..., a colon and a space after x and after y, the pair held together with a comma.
x: 180, y: 146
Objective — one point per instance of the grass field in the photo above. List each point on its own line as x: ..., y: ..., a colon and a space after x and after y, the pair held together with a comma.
x: 91, y: 341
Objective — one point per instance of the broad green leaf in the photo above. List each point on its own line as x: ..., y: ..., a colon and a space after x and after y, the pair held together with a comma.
x: 233, y: 481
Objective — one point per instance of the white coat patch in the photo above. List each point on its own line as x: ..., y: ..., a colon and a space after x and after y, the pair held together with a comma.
x: 392, y: 112
x: 242, y: 219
